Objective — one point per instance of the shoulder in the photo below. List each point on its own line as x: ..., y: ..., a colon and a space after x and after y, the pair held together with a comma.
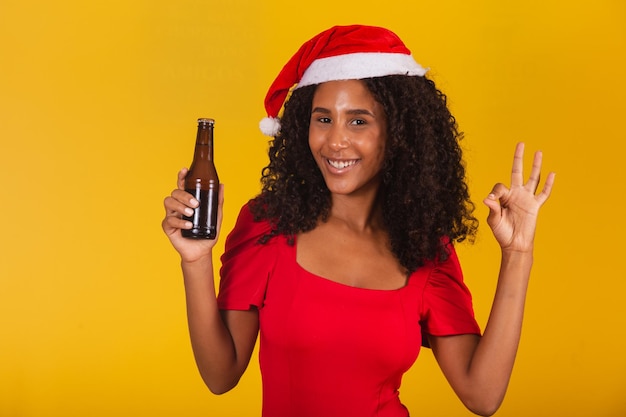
x: 247, y: 264
x: 449, y: 263
x: 247, y: 230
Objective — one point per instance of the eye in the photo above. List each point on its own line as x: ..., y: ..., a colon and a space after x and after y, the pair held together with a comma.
x: 358, y: 122
x: 324, y: 119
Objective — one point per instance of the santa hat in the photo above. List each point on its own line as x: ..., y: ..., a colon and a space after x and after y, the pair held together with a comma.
x: 339, y: 53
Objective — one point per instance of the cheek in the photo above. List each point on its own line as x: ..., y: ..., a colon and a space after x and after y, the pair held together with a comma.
x: 311, y: 137
x: 380, y: 160
x: 378, y: 148
x: 314, y: 140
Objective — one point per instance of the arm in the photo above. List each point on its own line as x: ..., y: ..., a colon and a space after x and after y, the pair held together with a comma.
x: 479, y: 368
x: 222, y: 342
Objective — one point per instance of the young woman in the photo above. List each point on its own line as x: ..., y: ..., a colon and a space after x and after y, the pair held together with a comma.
x: 344, y: 264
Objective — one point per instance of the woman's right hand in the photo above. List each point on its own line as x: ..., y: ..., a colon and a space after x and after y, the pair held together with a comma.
x: 180, y: 202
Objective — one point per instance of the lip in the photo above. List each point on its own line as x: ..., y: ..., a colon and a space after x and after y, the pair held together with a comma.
x: 340, y: 165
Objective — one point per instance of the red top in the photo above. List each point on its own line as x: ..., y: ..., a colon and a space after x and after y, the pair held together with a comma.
x: 329, y: 349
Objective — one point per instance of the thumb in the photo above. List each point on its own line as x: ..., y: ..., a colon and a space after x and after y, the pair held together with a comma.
x: 494, y: 208
x: 492, y: 201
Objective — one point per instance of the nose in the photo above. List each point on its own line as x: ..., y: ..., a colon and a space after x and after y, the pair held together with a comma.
x: 338, y: 138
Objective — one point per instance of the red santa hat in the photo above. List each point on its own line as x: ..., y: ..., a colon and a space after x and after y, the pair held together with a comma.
x: 339, y: 53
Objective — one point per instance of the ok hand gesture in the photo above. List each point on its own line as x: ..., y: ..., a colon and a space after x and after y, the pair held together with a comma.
x: 513, y: 211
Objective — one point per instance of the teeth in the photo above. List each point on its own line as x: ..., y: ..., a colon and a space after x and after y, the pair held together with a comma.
x: 341, y: 164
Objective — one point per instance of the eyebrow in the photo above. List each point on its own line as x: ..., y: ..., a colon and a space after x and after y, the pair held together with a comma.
x: 351, y: 111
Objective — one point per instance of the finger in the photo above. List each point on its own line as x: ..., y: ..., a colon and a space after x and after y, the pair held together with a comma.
x: 184, y: 197
x: 499, y: 193
x: 174, y: 211
x: 181, y: 178
x: 547, y: 188
x: 535, y: 173
x: 492, y: 203
x: 495, y: 211
x: 496, y: 201
x: 517, y: 173
x: 177, y: 206
x: 171, y: 224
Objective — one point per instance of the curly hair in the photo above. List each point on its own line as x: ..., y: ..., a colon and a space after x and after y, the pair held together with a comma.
x: 424, y: 197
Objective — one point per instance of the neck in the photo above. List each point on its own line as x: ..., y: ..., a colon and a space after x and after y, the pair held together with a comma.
x: 358, y: 213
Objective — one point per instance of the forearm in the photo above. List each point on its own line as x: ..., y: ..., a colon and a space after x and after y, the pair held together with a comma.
x: 491, y: 364
x: 211, y: 340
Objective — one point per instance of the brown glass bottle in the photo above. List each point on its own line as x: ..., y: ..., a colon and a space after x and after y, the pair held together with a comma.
x: 202, y: 182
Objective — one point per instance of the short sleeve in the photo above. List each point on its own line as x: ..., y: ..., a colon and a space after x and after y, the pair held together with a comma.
x: 246, y: 264
x: 447, y: 302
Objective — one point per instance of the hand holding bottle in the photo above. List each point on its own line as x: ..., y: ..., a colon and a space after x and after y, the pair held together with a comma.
x: 178, y: 204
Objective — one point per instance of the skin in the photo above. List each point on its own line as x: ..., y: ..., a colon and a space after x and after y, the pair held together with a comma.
x: 348, y: 129
x: 348, y: 125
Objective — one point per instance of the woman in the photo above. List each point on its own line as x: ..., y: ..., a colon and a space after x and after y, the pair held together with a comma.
x: 345, y: 263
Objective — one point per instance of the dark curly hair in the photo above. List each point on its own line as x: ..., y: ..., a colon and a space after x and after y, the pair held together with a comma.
x: 424, y: 197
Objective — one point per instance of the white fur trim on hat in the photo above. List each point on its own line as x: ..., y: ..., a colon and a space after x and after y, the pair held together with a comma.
x: 270, y: 126
x: 358, y: 66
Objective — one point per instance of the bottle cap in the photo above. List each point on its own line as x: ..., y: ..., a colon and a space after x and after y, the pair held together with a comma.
x: 206, y: 121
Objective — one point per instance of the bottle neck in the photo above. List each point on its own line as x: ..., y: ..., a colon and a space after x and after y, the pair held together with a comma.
x: 204, y: 142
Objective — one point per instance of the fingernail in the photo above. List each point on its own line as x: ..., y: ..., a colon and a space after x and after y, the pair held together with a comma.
x: 188, y: 225
x: 188, y: 211
x: 194, y: 202
x: 491, y: 196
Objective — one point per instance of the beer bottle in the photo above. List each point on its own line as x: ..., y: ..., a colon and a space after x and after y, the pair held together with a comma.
x: 202, y: 182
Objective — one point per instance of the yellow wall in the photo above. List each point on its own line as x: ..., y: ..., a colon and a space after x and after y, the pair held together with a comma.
x: 98, y: 102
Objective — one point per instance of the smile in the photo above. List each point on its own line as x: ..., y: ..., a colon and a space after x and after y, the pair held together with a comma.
x: 341, y: 164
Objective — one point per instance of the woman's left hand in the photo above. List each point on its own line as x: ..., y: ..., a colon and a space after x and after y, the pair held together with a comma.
x: 513, y: 211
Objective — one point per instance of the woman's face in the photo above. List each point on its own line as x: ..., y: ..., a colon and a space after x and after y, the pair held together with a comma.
x: 347, y: 136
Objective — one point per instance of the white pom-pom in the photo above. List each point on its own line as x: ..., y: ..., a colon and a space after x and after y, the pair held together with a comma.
x: 270, y: 126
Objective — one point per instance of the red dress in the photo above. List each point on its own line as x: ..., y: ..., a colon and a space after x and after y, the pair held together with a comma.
x: 329, y: 349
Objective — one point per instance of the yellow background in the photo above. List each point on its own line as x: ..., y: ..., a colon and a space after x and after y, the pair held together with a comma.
x: 98, y: 104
